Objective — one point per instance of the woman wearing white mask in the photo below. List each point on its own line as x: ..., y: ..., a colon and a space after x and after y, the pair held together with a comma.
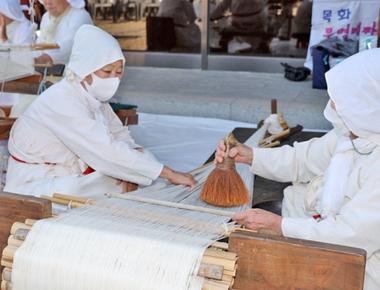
x: 69, y: 139
x: 335, y: 196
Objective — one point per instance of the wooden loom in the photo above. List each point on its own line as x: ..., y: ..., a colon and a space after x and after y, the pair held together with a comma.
x: 249, y: 261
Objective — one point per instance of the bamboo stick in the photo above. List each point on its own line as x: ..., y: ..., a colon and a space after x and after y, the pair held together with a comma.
x: 227, y: 264
x: 201, y: 168
x: 229, y: 272
x: 73, y: 204
x: 43, y: 65
x: 220, y: 245
x: 6, y: 285
x: 6, y: 263
x: 14, y: 242
x: 7, y: 275
x: 73, y: 198
x: 21, y: 234
x: 211, y: 271
x: 227, y: 278
x: 9, y: 252
x: 44, y: 46
x: 220, y: 254
x: 171, y: 204
x: 214, y: 285
x: 18, y: 225
x: 30, y: 222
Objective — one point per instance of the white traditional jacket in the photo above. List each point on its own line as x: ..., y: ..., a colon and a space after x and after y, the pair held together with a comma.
x: 61, y: 133
x: 358, y: 222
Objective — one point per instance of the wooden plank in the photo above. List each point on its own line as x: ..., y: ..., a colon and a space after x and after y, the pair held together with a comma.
x: 26, y: 85
x: 17, y: 208
x: 271, y: 263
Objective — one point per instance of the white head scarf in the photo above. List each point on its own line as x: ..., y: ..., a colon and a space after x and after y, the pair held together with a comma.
x: 354, y: 86
x: 79, y: 4
x: 12, y: 9
x: 93, y: 49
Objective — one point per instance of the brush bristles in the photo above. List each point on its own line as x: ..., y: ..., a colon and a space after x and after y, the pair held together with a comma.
x: 225, y: 188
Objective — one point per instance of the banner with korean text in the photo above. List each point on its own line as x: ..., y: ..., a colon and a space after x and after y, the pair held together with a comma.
x: 346, y: 19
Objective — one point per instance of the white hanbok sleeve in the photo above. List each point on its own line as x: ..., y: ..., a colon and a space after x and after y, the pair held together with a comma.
x: 298, y: 163
x: 91, y: 140
x: 117, y: 129
x: 356, y: 225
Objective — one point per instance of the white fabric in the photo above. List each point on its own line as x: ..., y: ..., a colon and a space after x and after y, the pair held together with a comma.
x: 63, y: 125
x: 117, y: 245
x: 93, y: 49
x: 337, y: 174
x: 12, y: 9
x: 182, y: 143
x: 354, y: 87
x: 78, y: 4
x: 318, y: 166
x: 357, y: 223
x: 64, y: 33
x: 18, y: 33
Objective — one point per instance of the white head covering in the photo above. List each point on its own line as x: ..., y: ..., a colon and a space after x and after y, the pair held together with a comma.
x: 73, y: 3
x: 93, y: 49
x: 354, y: 86
x: 12, y: 9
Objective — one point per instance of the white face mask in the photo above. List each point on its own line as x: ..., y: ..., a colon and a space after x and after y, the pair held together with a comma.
x: 332, y: 116
x: 102, y: 89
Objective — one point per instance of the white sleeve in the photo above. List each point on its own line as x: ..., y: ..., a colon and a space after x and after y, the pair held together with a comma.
x: 117, y: 129
x: 66, y: 41
x: 91, y: 140
x: 299, y: 163
x: 357, y: 225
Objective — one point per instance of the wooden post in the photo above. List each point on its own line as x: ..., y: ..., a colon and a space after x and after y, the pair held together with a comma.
x: 14, y: 207
x: 279, y: 263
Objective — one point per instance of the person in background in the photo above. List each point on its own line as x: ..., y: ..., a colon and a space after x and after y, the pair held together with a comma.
x: 335, y: 196
x: 15, y: 30
x: 248, y: 16
x: 70, y: 140
x: 59, y: 25
x: 188, y: 34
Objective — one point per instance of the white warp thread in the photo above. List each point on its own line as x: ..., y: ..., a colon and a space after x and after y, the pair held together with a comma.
x: 122, y: 244
x: 116, y: 244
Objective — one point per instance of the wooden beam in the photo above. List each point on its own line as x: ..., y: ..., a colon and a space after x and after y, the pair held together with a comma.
x: 17, y: 208
x: 271, y: 263
x: 26, y: 85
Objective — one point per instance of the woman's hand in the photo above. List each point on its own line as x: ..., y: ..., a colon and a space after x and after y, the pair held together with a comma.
x: 240, y: 153
x: 258, y: 219
x: 178, y: 178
